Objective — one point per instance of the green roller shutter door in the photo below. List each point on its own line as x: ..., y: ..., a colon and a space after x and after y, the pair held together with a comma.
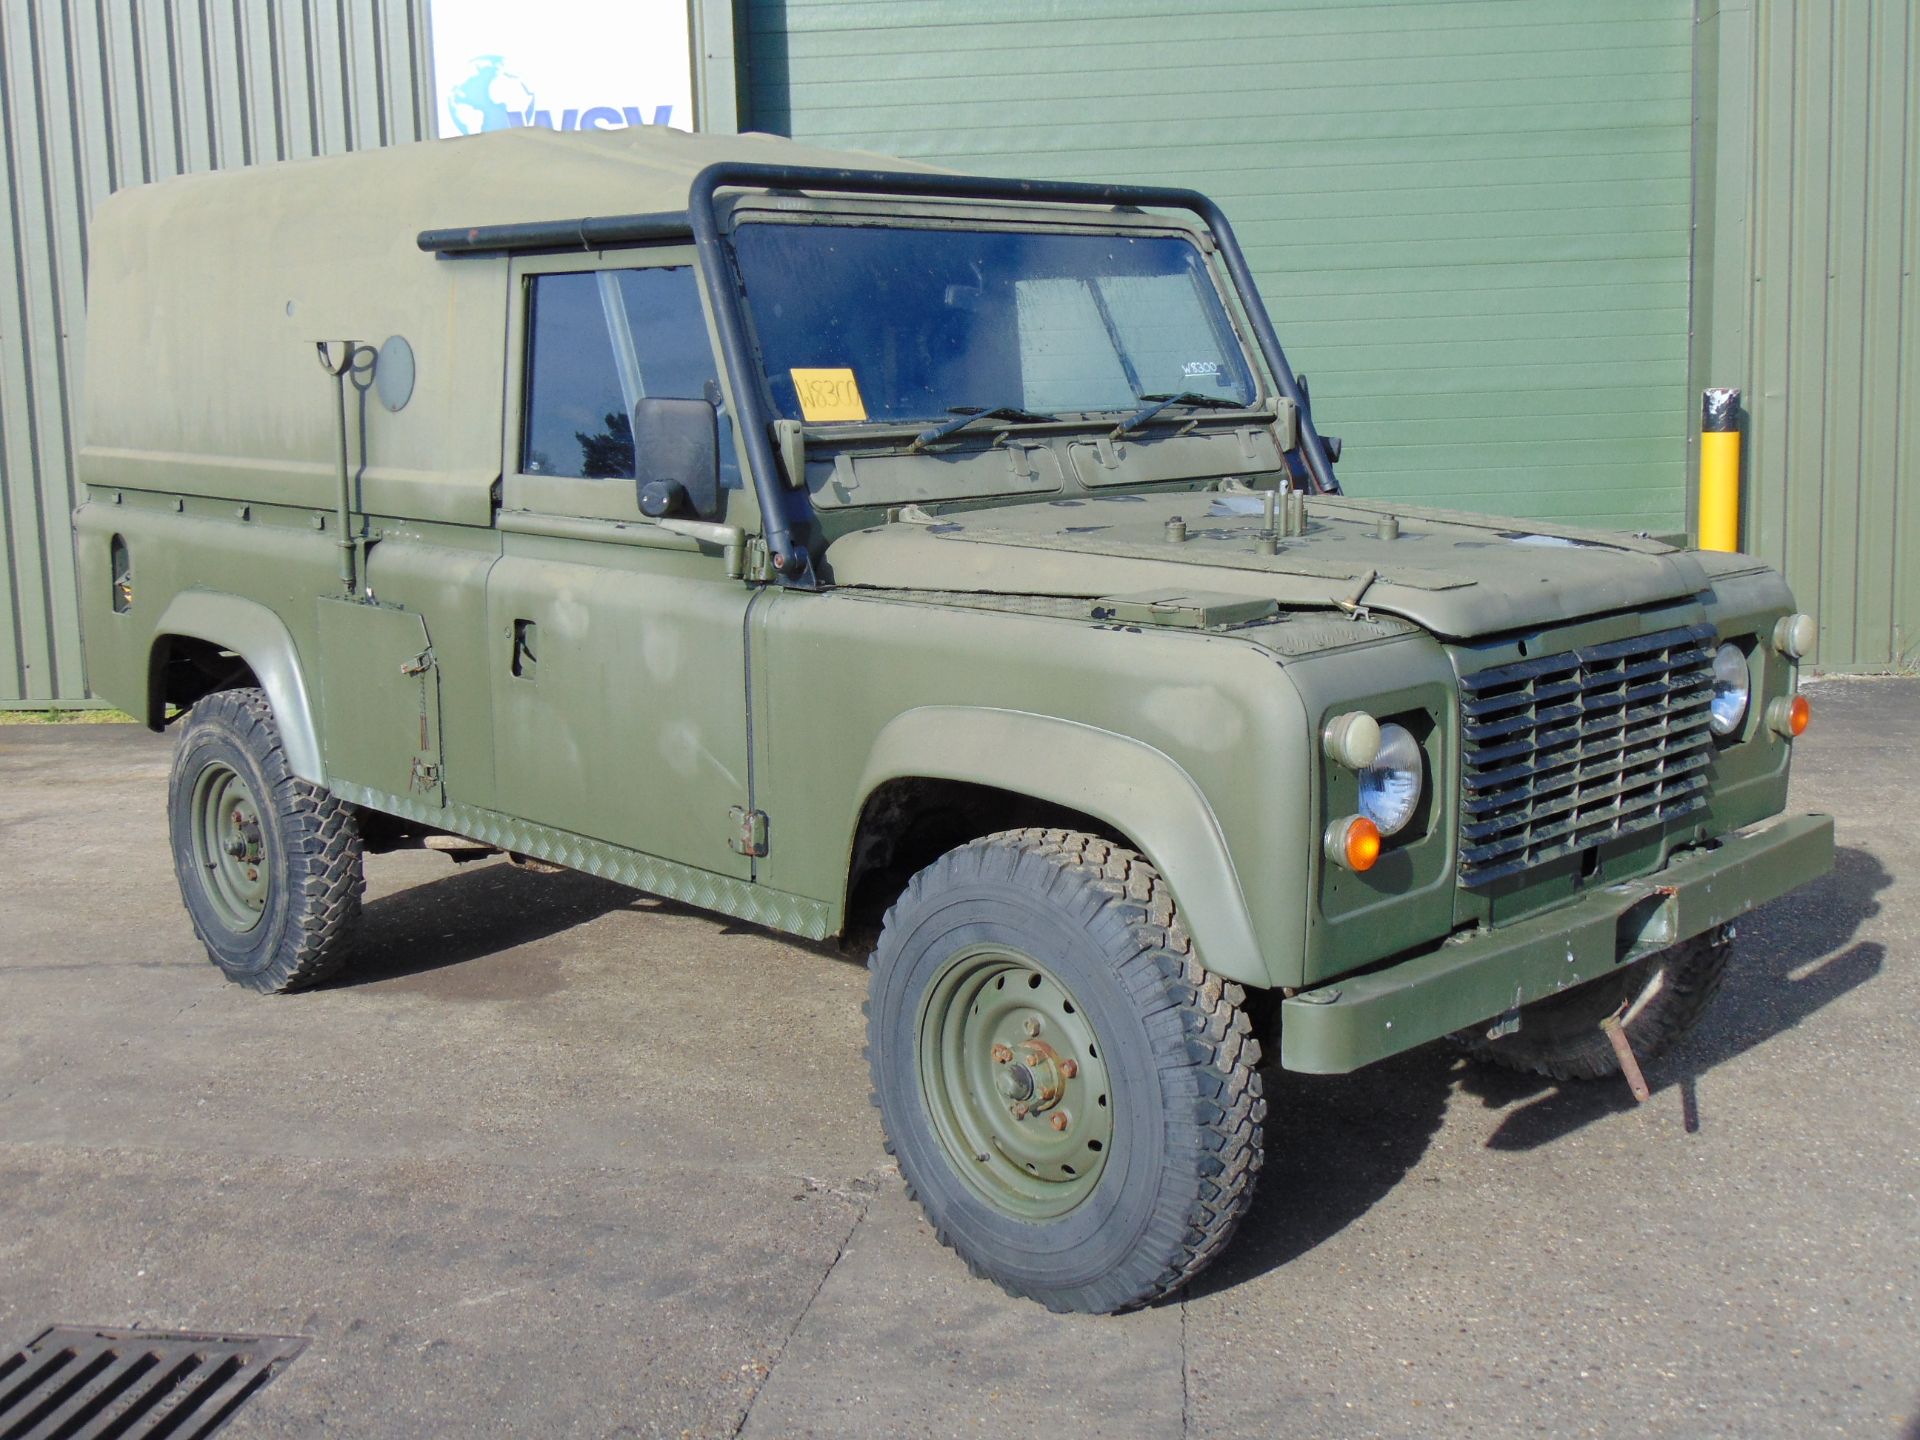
x: 1469, y: 219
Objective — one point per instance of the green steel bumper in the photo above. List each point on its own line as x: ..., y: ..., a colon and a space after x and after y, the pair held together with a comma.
x: 1481, y: 976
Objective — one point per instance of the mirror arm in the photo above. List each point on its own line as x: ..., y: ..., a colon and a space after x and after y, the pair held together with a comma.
x: 731, y: 539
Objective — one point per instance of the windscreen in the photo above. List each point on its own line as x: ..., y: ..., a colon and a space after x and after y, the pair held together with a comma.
x: 898, y: 324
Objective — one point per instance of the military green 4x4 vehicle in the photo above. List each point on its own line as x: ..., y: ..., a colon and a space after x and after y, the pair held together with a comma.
x: 836, y: 545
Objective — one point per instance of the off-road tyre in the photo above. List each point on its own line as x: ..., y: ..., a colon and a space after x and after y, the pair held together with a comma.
x: 305, y: 888
x: 1178, y: 1063
x: 1560, y: 1037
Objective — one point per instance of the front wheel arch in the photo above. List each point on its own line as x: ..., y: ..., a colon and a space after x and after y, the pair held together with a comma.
x: 1137, y: 794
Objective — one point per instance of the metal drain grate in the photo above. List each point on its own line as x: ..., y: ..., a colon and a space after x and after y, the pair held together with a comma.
x: 72, y: 1383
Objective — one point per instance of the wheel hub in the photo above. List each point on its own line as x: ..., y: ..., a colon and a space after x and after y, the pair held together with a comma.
x: 229, y: 845
x: 1014, y: 1082
x: 1041, y: 1074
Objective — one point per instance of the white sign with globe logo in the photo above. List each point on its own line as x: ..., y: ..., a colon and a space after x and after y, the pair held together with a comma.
x: 561, y: 64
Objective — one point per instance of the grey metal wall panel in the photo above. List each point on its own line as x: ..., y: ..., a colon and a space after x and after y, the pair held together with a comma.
x: 1470, y: 217
x: 1807, y: 280
x: 100, y: 94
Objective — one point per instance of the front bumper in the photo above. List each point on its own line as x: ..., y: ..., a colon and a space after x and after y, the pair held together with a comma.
x: 1479, y: 976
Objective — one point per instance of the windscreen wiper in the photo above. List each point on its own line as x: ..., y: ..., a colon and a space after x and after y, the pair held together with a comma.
x: 1157, y: 403
x: 965, y: 415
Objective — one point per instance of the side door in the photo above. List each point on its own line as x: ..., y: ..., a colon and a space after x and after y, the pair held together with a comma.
x: 618, y: 675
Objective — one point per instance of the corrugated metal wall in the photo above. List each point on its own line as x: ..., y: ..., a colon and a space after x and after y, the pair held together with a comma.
x: 98, y: 94
x: 1469, y: 217
x: 1809, y: 241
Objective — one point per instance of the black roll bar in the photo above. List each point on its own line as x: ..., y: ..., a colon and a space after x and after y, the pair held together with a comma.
x: 790, y: 559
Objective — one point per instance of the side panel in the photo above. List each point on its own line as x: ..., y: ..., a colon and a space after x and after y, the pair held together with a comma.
x: 619, y: 695
x: 380, y: 692
x: 250, y: 585
x: 1140, y: 727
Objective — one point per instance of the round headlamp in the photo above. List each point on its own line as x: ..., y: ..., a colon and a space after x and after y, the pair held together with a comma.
x: 1732, y: 688
x: 1390, y: 787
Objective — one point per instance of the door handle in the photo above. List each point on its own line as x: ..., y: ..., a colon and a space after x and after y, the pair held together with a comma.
x: 526, y: 639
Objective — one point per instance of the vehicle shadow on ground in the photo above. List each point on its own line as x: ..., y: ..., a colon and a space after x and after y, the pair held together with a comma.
x: 1792, y: 959
x: 481, y: 909
x: 1338, y: 1144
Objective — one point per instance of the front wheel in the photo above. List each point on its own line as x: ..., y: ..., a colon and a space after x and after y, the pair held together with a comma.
x: 269, y: 865
x: 1659, y: 999
x: 1072, y: 1097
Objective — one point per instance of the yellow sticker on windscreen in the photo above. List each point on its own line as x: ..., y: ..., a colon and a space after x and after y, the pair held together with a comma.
x: 828, y: 394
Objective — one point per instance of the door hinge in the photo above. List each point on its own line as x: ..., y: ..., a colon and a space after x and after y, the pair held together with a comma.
x: 749, y: 831
x: 419, y: 665
x: 424, y: 775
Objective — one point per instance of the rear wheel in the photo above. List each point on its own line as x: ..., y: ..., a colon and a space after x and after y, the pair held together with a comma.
x: 1664, y: 997
x: 269, y: 864
x: 1072, y: 1097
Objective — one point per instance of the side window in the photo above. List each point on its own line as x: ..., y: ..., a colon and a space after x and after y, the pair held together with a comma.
x: 597, y: 341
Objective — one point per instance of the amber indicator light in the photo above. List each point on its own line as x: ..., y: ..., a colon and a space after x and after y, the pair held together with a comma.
x: 1363, y: 843
x: 1798, y: 714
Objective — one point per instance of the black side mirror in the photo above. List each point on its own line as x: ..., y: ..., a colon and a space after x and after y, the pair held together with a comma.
x: 676, y: 456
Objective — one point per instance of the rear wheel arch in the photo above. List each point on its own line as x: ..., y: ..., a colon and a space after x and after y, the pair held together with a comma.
x: 1022, y: 770
x: 200, y: 629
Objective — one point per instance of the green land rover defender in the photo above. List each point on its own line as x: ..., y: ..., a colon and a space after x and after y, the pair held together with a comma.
x: 865, y: 550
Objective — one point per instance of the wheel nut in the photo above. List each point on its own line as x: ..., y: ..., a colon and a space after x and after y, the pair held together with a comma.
x: 252, y: 874
x: 1032, y: 1026
x: 1002, y: 1054
x: 1019, y: 1109
x: 1069, y: 1068
x: 1059, y: 1121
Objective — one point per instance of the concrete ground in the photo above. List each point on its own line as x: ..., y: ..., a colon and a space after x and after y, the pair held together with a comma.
x: 565, y: 1160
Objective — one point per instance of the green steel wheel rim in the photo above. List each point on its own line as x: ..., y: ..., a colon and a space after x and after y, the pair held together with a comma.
x: 229, y: 847
x: 1015, y: 1084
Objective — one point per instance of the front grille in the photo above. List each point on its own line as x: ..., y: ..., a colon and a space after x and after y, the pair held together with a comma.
x: 1569, y: 751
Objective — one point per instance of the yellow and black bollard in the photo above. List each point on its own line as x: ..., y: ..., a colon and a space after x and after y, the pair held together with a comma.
x: 1720, y: 470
